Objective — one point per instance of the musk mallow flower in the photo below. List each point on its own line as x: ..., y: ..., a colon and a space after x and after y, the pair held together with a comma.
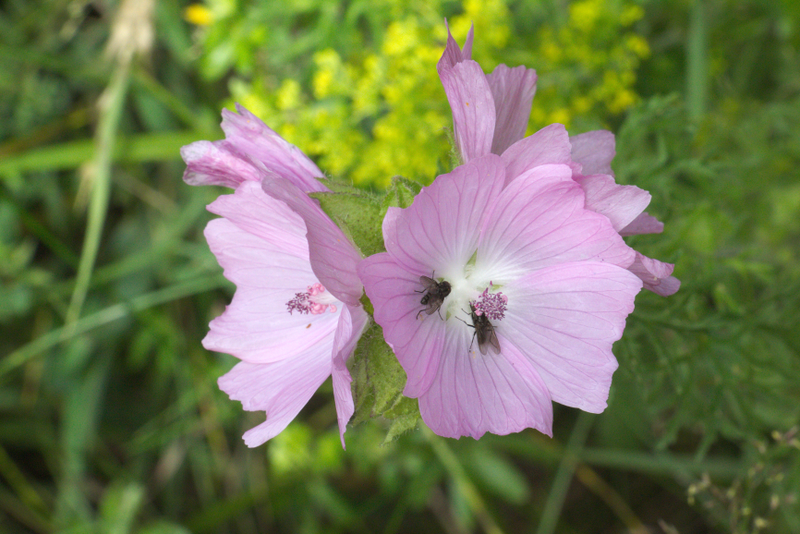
x: 295, y: 317
x: 290, y: 330
x: 539, y: 290
x: 490, y: 115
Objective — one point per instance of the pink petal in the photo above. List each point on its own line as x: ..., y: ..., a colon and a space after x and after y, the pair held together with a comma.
x: 441, y: 226
x: 217, y: 163
x: 452, y: 53
x: 512, y: 91
x: 281, y: 389
x: 620, y: 203
x: 548, y: 145
x: 643, y: 224
x: 539, y: 220
x: 271, y: 220
x: 261, y: 145
x: 333, y: 256
x: 565, y: 318
x: 257, y: 326
x: 415, y: 338
x: 352, y: 322
x: 594, y: 151
x: 474, y: 394
x: 471, y: 101
x: 655, y: 275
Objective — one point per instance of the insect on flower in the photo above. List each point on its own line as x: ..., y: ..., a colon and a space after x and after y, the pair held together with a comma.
x: 435, y: 293
x: 484, y: 331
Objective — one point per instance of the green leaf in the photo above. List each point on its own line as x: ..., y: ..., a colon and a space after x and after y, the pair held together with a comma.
x: 358, y: 214
x: 404, y: 415
x: 401, y: 193
x: 378, y: 382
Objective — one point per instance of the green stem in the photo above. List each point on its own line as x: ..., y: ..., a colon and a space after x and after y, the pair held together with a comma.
x: 465, y: 485
x: 108, y: 315
x: 111, y: 104
x: 566, y: 470
x: 697, y: 62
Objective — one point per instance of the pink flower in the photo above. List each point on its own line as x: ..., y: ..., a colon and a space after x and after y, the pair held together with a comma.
x: 538, y: 290
x: 290, y: 329
x: 490, y: 114
x: 296, y: 316
x: 250, y: 151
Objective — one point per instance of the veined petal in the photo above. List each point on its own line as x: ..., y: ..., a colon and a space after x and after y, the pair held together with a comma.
x: 333, y: 257
x: 416, y: 339
x: 440, y: 229
x: 550, y: 145
x: 257, y: 326
x: 565, y: 318
x: 452, y: 52
x: 643, y: 224
x: 352, y: 322
x: 620, y: 203
x: 540, y: 220
x: 471, y: 101
x: 474, y: 393
x: 217, y: 163
x: 655, y: 275
x: 281, y: 389
x: 512, y: 91
x: 269, y: 219
x: 594, y: 151
x: 265, y: 147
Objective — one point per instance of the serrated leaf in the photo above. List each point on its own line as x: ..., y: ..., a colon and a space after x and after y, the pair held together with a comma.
x: 378, y: 382
x: 359, y: 216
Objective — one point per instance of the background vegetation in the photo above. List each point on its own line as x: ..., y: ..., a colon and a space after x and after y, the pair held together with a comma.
x: 110, y: 418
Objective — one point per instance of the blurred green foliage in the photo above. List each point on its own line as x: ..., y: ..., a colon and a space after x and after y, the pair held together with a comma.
x: 111, y: 421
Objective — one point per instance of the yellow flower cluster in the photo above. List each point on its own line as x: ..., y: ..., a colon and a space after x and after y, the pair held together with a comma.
x: 382, y: 112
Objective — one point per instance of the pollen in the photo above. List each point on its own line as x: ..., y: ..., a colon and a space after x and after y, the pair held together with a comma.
x: 315, y: 300
x: 492, y: 305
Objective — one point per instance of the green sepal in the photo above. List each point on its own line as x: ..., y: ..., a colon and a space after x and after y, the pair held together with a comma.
x: 359, y: 215
x: 401, y: 193
x: 404, y: 416
x: 378, y: 382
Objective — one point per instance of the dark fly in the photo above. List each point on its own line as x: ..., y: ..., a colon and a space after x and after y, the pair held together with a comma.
x: 435, y: 293
x: 484, y: 331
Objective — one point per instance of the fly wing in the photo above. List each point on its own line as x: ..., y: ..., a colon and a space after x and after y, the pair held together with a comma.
x: 428, y: 283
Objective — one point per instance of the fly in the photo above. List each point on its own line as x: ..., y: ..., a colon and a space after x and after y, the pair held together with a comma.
x: 435, y: 293
x: 484, y: 331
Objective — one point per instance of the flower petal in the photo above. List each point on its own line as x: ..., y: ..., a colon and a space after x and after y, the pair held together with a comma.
x: 565, y: 318
x: 471, y: 101
x: 655, y: 275
x: 440, y: 228
x: 256, y: 326
x: 643, y: 224
x: 512, y: 91
x: 539, y: 220
x: 620, y: 203
x: 281, y: 389
x: 352, y: 322
x: 217, y: 163
x: 415, y: 338
x: 269, y: 219
x: 474, y: 393
x: 263, y: 146
x: 594, y: 151
x: 550, y: 145
x: 333, y: 257
x: 452, y: 53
